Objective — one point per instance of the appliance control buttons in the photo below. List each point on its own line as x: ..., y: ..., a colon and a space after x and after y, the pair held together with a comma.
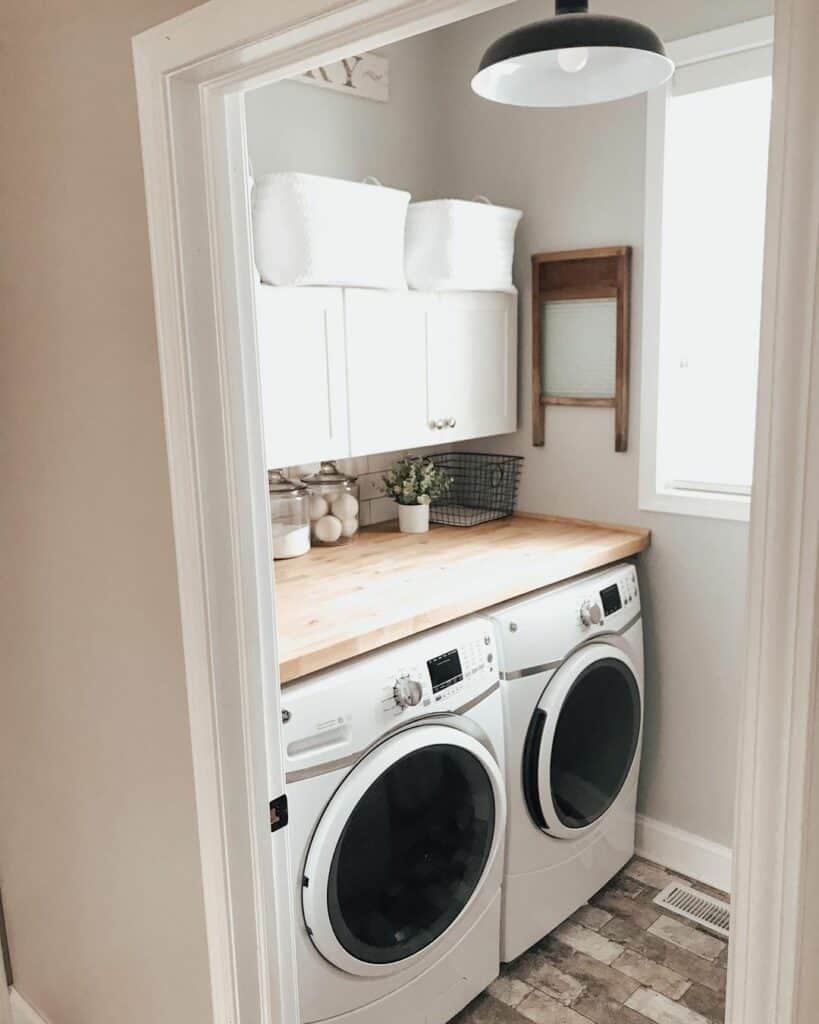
x: 407, y: 692
x: 591, y: 614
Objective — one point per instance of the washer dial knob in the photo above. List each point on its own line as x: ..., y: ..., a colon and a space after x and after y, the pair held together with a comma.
x: 407, y: 692
x: 591, y: 614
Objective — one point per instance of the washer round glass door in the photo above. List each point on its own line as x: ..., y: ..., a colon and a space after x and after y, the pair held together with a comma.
x: 582, y: 740
x: 402, y: 848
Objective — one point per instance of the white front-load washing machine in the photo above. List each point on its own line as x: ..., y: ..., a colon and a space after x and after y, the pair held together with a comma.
x: 397, y: 820
x: 571, y: 660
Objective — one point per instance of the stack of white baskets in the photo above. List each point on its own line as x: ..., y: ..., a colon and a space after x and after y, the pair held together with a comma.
x: 312, y: 230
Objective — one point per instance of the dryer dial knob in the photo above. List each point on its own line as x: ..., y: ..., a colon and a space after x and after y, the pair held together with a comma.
x: 407, y: 692
x: 591, y: 614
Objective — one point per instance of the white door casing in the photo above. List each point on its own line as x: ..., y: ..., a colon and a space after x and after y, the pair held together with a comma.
x: 774, y: 931
x: 190, y: 73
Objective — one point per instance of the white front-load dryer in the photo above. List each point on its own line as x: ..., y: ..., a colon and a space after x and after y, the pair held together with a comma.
x: 397, y: 821
x: 572, y: 683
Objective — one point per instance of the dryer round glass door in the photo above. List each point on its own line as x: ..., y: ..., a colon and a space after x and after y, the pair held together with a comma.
x: 582, y: 740
x: 402, y: 848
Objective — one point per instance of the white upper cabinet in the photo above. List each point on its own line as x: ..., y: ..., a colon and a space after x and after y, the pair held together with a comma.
x: 387, y: 369
x: 472, y: 364
x: 303, y: 374
x: 357, y: 371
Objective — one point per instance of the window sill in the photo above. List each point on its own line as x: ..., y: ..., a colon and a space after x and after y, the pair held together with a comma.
x: 706, y: 504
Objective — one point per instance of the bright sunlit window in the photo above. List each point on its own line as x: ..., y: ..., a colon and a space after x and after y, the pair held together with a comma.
x: 710, y: 239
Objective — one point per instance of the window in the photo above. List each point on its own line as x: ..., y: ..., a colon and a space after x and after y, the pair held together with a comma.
x: 706, y: 181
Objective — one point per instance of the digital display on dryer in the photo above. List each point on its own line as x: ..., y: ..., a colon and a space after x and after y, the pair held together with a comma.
x: 445, y: 670
x: 611, y: 599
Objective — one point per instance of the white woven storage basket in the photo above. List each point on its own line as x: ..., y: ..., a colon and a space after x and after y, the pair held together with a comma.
x: 455, y: 245
x: 312, y: 230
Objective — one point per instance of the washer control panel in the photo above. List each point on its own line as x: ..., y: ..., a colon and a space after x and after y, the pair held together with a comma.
x: 451, y: 665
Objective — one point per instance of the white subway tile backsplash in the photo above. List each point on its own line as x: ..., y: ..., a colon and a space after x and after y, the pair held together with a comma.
x: 353, y: 467
x: 370, y: 485
x: 364, y: 514
x: 382, y: 510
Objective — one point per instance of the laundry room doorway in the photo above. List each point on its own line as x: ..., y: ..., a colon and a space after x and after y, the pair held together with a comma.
x: 191, y: 74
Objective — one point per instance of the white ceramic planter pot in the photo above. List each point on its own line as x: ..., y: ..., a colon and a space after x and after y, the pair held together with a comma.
x: 413, y: 518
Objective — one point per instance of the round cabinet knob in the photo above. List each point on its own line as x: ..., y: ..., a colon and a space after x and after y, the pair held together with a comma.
x: 591, y: 614
x: 439, y: 424
x: 451, y: 421
x: 407, y: 692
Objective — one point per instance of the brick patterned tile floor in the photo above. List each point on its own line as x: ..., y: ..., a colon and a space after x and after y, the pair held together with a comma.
x: 620, y: 959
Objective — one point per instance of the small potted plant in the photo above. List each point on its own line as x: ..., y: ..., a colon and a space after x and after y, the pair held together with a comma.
x: 414, y: 483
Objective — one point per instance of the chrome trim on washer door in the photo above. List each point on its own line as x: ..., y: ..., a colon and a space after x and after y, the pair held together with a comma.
x: 534, y: 670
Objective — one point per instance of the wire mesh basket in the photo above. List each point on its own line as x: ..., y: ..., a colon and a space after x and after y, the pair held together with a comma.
x: 484, y: 487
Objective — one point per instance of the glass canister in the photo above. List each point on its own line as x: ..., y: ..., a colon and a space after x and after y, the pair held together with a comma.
x: 289, y: 515
x: 333, y: 505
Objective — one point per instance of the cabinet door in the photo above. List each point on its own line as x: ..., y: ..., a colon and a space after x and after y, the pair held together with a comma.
x: 472, y: 364
x: 387, y: 370
x: 303, y: 374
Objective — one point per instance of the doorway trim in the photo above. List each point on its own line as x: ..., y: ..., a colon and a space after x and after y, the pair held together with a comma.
x: 191, y: 73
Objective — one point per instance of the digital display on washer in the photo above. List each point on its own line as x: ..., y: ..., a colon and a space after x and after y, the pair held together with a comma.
x: 611, y: 599
x: 445, y: 670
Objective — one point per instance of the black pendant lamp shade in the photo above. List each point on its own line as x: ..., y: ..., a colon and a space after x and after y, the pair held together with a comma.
x: 572, y: 59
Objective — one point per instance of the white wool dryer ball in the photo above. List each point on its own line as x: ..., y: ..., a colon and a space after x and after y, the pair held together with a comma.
x: 345, y: 506
x: 328, y: 529
x: 318, y: 507
x: 349, y: 527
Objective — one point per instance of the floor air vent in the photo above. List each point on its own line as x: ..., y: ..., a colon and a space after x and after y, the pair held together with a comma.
x: 706, y: 911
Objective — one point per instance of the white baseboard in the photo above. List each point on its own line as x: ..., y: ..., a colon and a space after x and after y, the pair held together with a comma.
x: 22, y: 1012
x: 684, y: 852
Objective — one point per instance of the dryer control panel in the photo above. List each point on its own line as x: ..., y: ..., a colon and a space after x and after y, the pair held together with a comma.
x: 617, y: 593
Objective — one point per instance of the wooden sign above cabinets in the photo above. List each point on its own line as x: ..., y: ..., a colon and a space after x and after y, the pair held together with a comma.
x: 580, y: 334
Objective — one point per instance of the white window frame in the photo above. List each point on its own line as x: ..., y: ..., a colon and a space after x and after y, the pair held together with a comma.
x: 694, y: 500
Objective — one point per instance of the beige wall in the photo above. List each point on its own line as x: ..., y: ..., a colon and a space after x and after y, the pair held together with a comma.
x: 98, y: 851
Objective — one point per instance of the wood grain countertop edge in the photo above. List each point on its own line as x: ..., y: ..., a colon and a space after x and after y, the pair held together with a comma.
x: 482, y: 597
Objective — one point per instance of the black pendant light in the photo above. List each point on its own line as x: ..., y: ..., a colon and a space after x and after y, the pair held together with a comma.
x: 573, y: 59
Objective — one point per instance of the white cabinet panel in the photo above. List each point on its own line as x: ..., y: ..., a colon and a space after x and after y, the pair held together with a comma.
x: 472, y: 364
x: 303, y: 374
x: 387, y: 370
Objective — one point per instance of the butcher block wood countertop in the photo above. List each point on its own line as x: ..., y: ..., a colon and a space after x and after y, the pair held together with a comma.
x: 337, y: 602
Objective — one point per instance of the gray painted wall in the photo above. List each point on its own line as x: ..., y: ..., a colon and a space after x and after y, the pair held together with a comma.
x: 578, y: 176
x: 293, y: 126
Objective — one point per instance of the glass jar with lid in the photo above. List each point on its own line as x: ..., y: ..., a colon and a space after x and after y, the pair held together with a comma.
x: 333, y: 505
x: 289, y: 515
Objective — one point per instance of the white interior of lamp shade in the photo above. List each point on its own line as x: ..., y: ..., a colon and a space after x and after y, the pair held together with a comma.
x: 538, y: 80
